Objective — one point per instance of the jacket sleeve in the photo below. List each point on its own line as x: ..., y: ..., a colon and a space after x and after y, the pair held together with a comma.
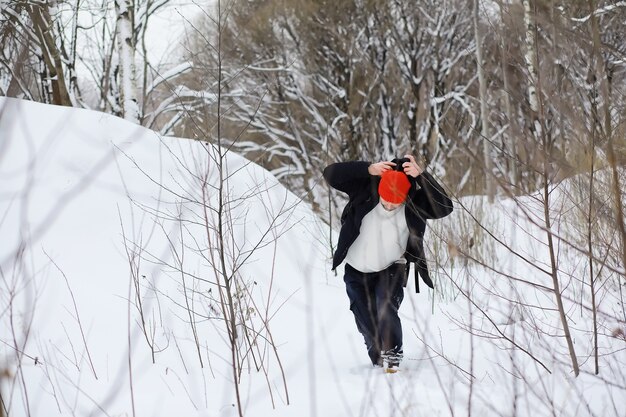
x: 344, y: 176
x: 430, y: 201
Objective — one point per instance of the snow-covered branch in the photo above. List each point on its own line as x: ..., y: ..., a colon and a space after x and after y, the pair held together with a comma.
x: 603, y: 10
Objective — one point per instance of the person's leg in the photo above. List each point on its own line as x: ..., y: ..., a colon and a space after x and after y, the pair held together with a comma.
x: 362, y: 295
x: 389, y: 296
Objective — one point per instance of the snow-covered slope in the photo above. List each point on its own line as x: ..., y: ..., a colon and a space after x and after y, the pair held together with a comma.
x: 97, y: 213
x: 81, y: 190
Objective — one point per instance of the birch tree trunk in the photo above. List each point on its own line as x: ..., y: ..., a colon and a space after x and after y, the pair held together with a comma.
x: 530, y: 57
x: 126, y: 46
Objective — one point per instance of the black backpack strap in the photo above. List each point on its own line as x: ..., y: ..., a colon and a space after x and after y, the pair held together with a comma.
x: 417, y: 279
x: 416, y: 272
x: 422, y: 270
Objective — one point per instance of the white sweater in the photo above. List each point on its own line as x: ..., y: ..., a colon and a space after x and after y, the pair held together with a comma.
x: 382, y: 240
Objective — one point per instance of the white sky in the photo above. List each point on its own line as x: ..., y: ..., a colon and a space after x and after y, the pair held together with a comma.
x: 166, y: 29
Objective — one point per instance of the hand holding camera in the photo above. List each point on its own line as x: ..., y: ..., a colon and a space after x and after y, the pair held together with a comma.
x: 408, y: 165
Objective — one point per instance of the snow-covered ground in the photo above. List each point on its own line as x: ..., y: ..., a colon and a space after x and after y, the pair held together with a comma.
x: 97, y: 213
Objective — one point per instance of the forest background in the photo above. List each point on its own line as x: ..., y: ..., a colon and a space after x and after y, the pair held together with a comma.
x: 496, y: 98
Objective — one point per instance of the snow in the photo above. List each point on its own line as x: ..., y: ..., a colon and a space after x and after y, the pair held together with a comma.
x: 80, y: 190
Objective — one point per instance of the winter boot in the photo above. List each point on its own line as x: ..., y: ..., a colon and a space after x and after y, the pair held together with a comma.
x: 391, y: 361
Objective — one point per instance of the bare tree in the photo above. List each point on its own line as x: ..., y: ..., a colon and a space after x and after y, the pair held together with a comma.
x: 323, y: 87
x: 537, y: 108
x: 53, y: 51
x: 210, y: 224
x: 41, y: 40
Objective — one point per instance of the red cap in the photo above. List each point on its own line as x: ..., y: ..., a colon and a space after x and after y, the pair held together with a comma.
x: 394, y: 186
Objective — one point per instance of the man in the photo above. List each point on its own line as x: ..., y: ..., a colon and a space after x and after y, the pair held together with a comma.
x: 382, y: 228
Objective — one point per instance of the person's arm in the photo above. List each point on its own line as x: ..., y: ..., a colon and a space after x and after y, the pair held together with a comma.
x: 344, y: 175
x: 431, y: 200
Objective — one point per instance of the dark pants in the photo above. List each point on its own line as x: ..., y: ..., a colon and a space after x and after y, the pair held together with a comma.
x: 375, y: 299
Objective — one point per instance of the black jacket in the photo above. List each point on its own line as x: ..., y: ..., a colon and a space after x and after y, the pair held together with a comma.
x: 426, y: 200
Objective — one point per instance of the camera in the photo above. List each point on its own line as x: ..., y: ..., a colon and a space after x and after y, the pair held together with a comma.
x: 399, y: 162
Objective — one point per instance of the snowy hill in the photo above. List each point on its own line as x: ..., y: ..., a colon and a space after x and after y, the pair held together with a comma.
x: 108, y: 302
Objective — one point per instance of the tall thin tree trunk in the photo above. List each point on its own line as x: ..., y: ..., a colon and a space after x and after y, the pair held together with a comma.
x: 541, y: 137
x: 73, y: 85
x: 595, y: 128
x: 126, y: 45
x: 530, y: 57
x: 17, y: 85
x: 228, y: 306
x: 484, y: 116
x: 607, y: 132
x: 590, y: 250
x: 42, y: 23
x: 513, y: 130
x: 555, y: 278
